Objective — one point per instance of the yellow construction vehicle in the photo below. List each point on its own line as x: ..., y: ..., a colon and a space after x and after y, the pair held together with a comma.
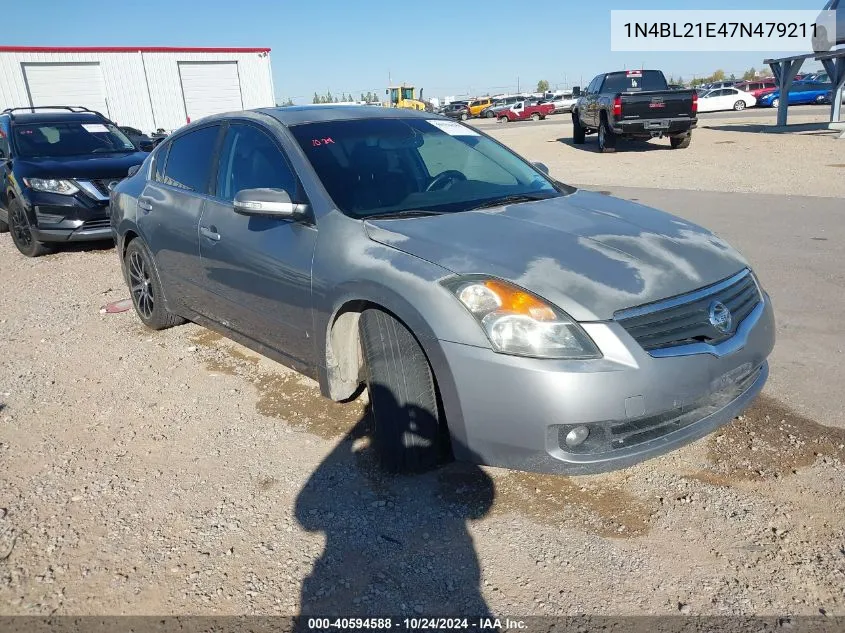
x: 405, y: 97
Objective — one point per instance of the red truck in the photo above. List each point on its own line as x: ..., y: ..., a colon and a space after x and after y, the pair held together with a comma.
x: 522, y: 110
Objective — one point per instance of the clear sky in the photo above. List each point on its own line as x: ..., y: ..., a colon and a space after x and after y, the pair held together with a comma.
x: 447, y: 47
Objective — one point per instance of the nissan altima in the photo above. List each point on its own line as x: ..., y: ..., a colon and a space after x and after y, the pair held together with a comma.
x: 495, y: 314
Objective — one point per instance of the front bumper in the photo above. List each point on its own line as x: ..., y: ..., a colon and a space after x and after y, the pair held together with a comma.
x: 77, y: 218
x: 516, y: 411
x: 648, y: 127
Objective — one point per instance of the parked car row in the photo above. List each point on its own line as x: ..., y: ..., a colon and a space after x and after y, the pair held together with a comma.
x: 325, y: 238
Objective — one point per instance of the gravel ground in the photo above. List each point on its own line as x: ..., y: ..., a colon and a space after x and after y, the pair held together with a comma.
x: 179, y: 473
x: 726, y: 154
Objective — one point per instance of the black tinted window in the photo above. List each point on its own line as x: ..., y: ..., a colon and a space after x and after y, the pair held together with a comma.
x: 251, y: 160
x: 189, y: 160
x: 635, y: 80
x: 160, y: 162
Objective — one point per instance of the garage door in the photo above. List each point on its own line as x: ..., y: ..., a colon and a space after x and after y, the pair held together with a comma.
x: 210, y: 88
x: 77, y: 84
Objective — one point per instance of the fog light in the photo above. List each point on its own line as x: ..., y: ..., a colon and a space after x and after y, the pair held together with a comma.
x: 47, y: 218
x: 577, y: 436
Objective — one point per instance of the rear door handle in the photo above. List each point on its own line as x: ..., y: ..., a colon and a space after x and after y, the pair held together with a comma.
x: 210, y: 232
x: 145, y: 205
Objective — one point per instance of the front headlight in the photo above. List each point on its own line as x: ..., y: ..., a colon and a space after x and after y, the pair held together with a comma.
x: 520, y: 323
x: 50, y: 185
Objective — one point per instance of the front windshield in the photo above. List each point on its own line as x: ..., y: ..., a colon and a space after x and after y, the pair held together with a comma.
x: 372, y: 167
x: 70, y: 138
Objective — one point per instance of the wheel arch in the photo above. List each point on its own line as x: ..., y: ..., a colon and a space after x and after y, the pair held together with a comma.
x: 341, y: 375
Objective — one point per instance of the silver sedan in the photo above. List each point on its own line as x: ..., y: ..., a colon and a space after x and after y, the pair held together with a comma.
x: 495, y: 314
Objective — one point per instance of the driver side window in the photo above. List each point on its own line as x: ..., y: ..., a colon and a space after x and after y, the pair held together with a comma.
x: 250, y: 159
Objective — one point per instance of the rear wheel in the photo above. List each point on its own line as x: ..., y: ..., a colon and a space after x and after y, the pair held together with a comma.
x: 607, y: 139
x: 535, y: 117
x: 739, y: 105
x: 578, y: 131
x: 680, y: 142
x: 22, y: 232
x: 407, y: 433
x: 503, y: 119
x: 463, y: 116
x: 489, y: 115
x: 145, y: 288
x: 775, y: 102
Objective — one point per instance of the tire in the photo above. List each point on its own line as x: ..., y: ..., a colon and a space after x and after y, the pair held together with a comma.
x: 407, y: 429
x: 739, y: 106
x: 775, y: 102
x: 463, y: 116
x: 680, y: 142
x: 607, y: 139
x: 820, y: 100
x: 21, y: 231
x: 578, y: 132
x: 535, y: 117
x: 489, y: 115
x: 503, y: 119
x: 145, y: 288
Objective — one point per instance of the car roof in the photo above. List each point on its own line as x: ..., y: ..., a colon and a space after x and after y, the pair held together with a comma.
x: 296, y: 115
x: 52, y: 117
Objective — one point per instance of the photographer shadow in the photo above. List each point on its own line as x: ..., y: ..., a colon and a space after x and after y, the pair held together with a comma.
x: 396, y: 545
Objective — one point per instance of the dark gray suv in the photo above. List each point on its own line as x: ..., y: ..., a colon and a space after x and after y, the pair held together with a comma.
x: 494, y: 313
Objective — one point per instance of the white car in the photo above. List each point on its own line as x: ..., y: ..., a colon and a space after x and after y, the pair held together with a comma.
x: 725, y: 99
x: 563, y: 103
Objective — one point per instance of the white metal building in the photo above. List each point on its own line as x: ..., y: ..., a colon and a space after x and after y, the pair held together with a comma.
x: 146, y: 88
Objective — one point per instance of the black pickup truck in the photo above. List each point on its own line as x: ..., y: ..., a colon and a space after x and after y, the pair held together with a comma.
x: 636, y: 104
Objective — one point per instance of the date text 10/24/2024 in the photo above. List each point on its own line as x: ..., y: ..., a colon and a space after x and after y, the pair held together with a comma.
x: 415, y: 624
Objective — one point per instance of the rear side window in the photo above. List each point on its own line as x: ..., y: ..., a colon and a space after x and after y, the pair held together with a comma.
x: 189, y: 160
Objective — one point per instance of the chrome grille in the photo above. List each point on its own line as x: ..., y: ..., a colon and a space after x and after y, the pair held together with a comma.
x: 685, y: 320
x: 102, y: 223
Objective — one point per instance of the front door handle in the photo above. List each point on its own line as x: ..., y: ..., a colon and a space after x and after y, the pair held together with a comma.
x: 210, y: 232
x: 145, y: 205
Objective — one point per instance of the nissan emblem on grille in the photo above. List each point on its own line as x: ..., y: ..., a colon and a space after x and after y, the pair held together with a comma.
x: 720, y: 317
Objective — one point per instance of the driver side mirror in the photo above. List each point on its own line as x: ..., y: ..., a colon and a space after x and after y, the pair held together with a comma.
x: 268, y: 202
x: 542, y: 167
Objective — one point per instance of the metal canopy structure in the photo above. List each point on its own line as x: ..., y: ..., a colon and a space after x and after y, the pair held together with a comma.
x: 785, y: 69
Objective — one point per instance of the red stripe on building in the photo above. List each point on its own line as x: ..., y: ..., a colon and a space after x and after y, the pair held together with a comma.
x: 126, y: 49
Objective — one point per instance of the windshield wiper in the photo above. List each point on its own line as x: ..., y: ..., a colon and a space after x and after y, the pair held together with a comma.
x: 407, y: 213
x: 498, y: 202
x: 105, y: 150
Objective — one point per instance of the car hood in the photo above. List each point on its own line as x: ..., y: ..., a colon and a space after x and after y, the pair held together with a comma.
x: 82, y: 167
x: 588, y: 253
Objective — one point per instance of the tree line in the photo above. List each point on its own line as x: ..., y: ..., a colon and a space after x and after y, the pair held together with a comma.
x: 370, y: 97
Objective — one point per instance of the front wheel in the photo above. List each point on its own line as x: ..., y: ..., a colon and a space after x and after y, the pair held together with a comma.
x: 408, y: 434
x: 21, y: 231
x: 463, y: 116
x: 775, y: 102
x: 145, y: 288
x: 578, y: 132
x: 739, y: 106
x: 503, y: 119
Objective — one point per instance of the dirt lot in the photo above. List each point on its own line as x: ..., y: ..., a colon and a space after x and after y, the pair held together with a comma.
x: 726, y: 154
x: 178, y: 473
